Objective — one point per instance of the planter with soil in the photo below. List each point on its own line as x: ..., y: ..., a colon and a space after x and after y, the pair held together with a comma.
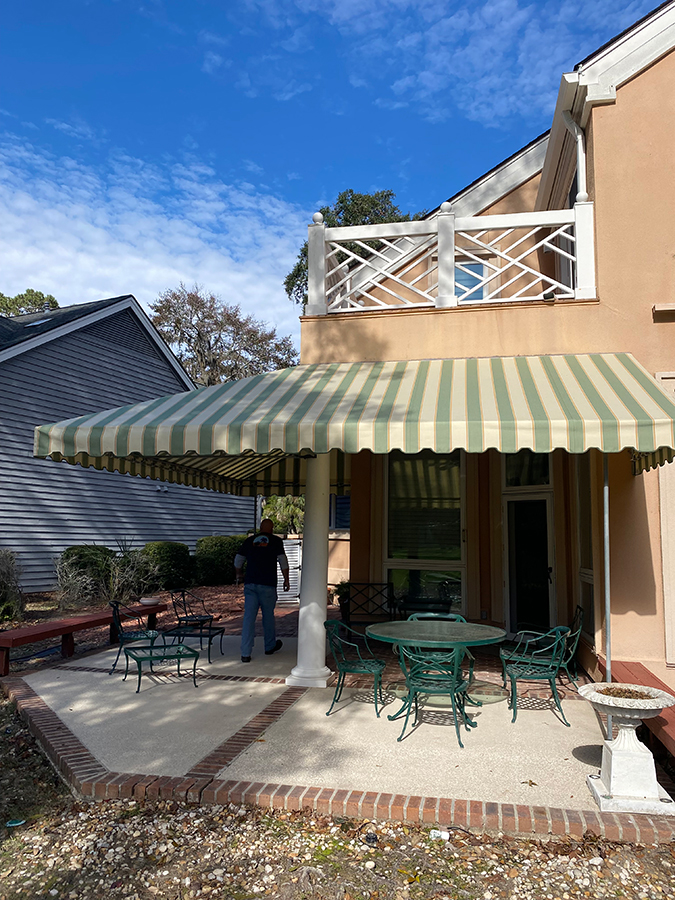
x: 627, y: 780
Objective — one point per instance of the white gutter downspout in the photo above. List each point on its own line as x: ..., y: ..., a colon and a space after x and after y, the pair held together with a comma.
x: 577, y: 133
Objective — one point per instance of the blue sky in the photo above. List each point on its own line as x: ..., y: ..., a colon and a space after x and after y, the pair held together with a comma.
x: 144, y: 143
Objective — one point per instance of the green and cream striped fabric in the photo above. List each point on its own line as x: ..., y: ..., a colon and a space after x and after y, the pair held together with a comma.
x: 225, y: 435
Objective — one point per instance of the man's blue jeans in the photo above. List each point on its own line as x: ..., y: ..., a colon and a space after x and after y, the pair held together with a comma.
x: 264, y: 597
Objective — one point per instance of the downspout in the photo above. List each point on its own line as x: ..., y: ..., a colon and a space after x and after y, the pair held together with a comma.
x: 578, y: 134
x: 608, y: 600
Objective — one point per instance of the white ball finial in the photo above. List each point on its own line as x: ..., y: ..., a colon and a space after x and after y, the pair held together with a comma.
x: 582, y: 197
x: 446, y: 207
x: 317, y: 218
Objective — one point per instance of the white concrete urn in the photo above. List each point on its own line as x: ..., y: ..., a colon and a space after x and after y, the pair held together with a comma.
x: 627, y: 780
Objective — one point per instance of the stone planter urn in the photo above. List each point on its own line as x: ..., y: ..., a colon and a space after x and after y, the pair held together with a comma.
x: 627, y: 780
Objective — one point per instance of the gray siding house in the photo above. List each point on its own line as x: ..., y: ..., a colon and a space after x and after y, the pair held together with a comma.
x: 63, y: 363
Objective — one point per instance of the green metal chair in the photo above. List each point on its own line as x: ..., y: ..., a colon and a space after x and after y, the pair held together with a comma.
x: 435, y: 672
x: 350, y: 658
x: 448, y: 617
x: 571, y: 643
x: 536, y: 658
x: 126, y: 635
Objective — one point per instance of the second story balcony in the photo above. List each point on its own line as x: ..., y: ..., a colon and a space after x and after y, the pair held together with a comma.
x: 448, y: 261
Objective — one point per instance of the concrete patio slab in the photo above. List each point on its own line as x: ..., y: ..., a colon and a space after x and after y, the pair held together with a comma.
x: 278, y: 665
x: 536, y: 761
x: 165, y: 729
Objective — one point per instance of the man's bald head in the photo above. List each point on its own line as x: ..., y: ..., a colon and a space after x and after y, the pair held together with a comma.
x: 267, y: 526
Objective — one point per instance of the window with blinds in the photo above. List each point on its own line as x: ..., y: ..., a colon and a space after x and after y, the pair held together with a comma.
x: 424, y: 524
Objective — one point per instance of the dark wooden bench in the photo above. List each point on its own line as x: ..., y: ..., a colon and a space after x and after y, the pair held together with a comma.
x: 663, y: 726
x: 66, y: 628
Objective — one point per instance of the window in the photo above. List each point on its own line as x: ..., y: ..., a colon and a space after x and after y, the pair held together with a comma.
x: 585, y: 531
x: 340, y: 512
x: 468, y: 276
x: 526, y: 469
x: 424, y: 550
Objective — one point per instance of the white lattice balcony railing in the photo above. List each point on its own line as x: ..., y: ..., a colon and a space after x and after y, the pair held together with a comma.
x: 452, y: 261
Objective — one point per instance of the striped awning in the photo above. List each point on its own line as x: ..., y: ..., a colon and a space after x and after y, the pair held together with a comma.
x: 226, y: 436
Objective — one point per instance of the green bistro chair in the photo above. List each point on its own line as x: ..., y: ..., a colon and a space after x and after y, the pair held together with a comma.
x: 122, y: 616
x: 568, y: 663
x: 352, y: 659
x: 535, y: 658
x: 433, y: 672
x: 448, y: 617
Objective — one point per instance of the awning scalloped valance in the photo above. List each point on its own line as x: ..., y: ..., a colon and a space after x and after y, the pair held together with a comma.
x: 239, y: 436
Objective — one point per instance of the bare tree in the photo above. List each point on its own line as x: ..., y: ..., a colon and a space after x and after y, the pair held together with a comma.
x: 214, y: 340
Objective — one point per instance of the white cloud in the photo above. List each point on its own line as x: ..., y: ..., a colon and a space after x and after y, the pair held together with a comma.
x: 212, y: 62
x: 491, y: 59
x: 83, y: 233
x: 253, y: 167
x: 76, y: 128
x: 292, y: 89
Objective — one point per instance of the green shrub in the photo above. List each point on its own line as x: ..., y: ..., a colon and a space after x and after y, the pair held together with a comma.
x: 175, y: 566
x: 215, y: 558
x: 90, y: 559
x: 89, y: 575
x: 11, y: 598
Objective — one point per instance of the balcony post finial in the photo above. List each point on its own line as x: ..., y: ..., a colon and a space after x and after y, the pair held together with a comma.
x: 317, y: 218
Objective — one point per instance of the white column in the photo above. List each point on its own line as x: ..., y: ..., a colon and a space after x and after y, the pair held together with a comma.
x: 316, y: 267
x: 311, y: 670
x: 446, y: 257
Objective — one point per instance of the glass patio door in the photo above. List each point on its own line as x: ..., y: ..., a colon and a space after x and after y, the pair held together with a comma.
x: 530, y: 563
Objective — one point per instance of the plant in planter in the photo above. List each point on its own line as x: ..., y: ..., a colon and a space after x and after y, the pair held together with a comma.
x: 342, y: 592
x: 627, y: 780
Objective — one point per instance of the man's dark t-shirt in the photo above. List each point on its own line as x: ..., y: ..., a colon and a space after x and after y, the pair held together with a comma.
x: 261, y: 552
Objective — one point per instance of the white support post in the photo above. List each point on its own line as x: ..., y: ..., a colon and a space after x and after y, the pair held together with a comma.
x: 316, y: 267
x: 608, y: 592
x: 446, y: 257
x: 311, y: 670
x: 585, y: 251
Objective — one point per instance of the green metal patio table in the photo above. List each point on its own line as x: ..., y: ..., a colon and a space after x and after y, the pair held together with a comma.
x: 434, y: 634
x: 154, y: 653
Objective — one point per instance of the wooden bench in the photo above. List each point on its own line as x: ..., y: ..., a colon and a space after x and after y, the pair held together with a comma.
x: 663, y: 726
x: 66, y: 628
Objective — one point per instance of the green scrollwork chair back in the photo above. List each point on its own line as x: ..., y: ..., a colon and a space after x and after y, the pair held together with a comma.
x: 126, y: 633
x: 535, y: 658
x: 352, y: 654
x: 434, y: 672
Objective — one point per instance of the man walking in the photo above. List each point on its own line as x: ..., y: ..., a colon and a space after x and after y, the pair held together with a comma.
x: 261, y: 552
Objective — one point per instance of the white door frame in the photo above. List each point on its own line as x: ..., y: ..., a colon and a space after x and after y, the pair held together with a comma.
x: 528, y: 494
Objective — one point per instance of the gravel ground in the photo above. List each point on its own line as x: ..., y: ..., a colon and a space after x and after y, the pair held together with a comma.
x: 133, y: 850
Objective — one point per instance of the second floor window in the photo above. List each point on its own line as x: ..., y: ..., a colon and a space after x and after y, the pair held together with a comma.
x: 467, y: 280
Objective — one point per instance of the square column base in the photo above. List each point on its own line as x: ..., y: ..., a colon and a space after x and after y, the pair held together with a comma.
x: 663, y: 806
x: 309, y: 679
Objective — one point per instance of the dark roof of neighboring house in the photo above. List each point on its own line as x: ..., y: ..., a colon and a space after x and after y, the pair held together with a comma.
x: 16, y: 329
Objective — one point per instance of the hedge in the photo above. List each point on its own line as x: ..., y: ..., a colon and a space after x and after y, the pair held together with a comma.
x: 90, y: 559
x: 176, y: 568
x: 215, y: 558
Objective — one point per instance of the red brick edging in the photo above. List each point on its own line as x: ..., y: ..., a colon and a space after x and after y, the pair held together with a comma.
x: 85, y: 774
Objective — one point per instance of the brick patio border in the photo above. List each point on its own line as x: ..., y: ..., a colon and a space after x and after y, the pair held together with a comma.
x: 85, y: 774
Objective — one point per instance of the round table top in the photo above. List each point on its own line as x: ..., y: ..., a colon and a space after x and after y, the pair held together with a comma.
x: 435, y: 633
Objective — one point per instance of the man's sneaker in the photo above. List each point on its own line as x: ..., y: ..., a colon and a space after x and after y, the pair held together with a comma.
x: 277, y: 646
x: 246, y: 659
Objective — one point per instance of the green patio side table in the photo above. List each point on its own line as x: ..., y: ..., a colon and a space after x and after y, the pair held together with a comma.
x: 154, y: 654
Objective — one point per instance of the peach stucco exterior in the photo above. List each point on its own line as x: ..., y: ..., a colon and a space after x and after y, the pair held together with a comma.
x: 630, y: 182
